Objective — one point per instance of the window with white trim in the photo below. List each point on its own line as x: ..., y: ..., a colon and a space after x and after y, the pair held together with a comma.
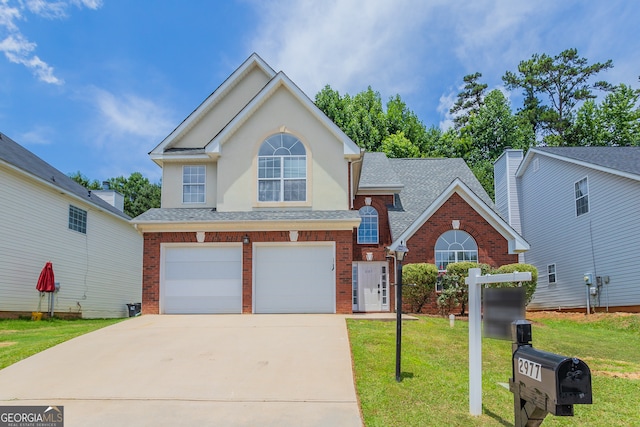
x: 455, y: 246
x: 193, y: 184
x: 551, y: 273
x: 77, y: 219
x: 368, y: 228
x: 282, y: 169
x: 582, y: 196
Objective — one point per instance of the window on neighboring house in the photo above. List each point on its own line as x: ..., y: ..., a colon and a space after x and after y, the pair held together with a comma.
x: 455, y: 246
x: 282, y: 169
x: 368, y: 229
x: 77, y: 219
x: 551, y: 271
x: 193, y: 178
x: 582, y: 197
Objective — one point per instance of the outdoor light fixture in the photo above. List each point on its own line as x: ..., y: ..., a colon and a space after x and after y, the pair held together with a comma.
x: 245, y: 239
x: 400, y: 252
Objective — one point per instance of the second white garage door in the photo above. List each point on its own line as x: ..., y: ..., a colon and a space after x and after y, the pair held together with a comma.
x: 201, y: 279
x: 294, y: 278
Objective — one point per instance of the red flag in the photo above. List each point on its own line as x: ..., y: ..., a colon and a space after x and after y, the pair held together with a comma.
x: 46, y: 282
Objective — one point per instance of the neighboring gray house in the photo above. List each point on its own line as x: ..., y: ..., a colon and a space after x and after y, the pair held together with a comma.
x: 46, y: 216
x: 579, y: 209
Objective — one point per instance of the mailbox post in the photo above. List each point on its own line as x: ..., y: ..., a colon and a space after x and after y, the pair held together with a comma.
x: 544, y: 383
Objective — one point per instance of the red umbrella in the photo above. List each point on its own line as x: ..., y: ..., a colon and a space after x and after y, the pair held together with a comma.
x: 46, y: 282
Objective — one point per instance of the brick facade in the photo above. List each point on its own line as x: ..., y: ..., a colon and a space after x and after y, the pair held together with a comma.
x: 151, y: 272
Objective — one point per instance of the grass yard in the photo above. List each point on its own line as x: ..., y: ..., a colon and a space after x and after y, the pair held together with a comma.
x: 435, y: 360
x: 22, y: 338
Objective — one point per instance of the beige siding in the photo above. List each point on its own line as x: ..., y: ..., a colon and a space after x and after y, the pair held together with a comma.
x: 99, y: 272
x: 327, y: 187
x: 172, y: 185
x: 228, y: 106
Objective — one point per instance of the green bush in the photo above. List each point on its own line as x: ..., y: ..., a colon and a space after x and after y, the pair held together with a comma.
x: 449, y: 297
x: 456, y: 275
x: 529, y: 287
x: 419, y: 283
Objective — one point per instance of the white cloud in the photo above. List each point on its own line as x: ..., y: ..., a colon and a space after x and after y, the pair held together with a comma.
x: 16, y: 47
x: 126, y: 126
x: 39, y: 135
x: 444, y: 105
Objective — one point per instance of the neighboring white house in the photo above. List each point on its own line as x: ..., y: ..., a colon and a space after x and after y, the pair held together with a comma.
x: 46, y: 216
x: 579, y: 209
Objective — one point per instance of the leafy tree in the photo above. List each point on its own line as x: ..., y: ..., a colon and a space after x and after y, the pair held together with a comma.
x: 398, y: 146
x: 333, y: 105
x: 84, y: 181
x: 139, y: 194
x: 469, y: 100
x: 565, y: 80
x: 365, y: 120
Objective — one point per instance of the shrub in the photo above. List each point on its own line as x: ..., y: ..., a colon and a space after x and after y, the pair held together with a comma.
x: 419, y: 283
x: 529, y: 287
x: 457, y: 272
x: 448, y: 299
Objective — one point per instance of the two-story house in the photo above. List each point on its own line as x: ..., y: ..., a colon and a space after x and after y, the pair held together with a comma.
x: 578, y: 207
x: 268, y: 207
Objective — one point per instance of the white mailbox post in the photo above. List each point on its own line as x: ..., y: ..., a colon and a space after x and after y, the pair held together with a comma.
x: 475, y: 282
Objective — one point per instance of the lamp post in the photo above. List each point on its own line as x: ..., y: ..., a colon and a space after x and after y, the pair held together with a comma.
x: 400, y: 252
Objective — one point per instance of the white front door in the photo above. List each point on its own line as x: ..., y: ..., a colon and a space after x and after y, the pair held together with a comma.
x: 372, y: 286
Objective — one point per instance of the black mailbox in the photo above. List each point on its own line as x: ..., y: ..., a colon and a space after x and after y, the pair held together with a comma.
x: 545, y: 382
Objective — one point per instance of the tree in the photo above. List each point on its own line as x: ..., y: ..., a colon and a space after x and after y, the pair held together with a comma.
x: 332, y: 104
x: 139, y: 194
x: 397, y: 146
x: 469, y: 100
x: 84, y: 181
x: 365, y: 121
x: 565, y: 80
x: 615, y: 122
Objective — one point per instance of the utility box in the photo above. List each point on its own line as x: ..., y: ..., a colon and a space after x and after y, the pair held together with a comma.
x: 545, y: 383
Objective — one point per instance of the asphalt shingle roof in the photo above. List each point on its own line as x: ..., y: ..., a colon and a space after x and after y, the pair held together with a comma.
x: 377, y: 172
x: 161, y: 215
x: 424, y: 180
x: 624, y: 159
x: 14, y: 154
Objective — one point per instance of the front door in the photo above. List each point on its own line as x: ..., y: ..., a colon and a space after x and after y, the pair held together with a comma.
x: 372, y: 286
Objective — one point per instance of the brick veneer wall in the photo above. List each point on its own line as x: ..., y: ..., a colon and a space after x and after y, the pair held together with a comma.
x: 151, y: 262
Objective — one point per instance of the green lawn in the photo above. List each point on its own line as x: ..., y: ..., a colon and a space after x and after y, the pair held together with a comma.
x: 20, y: 339
x: 435, y: 359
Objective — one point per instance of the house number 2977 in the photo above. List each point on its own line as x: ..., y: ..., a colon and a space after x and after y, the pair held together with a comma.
x: 530, y: 369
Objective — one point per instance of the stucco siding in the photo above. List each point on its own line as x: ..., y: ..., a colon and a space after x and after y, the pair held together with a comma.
x: 99, y: 271
x: 224, y: 110
x: 327, y: 169
x: 602, y: 241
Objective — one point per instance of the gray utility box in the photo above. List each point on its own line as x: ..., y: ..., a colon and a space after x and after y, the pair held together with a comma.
x: 550, y: 381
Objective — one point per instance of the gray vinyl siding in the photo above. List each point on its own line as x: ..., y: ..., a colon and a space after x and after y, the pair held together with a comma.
x: 99, y: 272
x: 506, y: 192
x: 603, y: 241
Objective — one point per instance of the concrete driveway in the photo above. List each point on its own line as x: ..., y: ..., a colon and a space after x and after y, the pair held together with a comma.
x: 219, y: 370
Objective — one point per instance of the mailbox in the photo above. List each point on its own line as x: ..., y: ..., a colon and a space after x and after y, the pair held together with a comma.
x: 550, y: 381
x: 545, y: 382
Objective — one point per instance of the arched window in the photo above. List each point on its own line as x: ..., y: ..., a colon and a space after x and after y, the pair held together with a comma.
x: 282, y: 169
x: 368, y: 229
x: 455, y: 246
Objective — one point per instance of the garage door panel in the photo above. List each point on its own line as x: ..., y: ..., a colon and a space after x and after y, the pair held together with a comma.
x: 199, y: 279
x: 295, y: 279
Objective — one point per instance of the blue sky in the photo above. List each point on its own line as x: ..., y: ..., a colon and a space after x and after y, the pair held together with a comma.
x: 94, y: 85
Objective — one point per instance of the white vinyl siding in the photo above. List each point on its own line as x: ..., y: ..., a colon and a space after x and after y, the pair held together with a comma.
x: 99, y: 272
x: 604, y: 242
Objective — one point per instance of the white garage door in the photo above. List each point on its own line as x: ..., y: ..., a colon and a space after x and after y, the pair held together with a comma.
x: 294, y: 278
x: 202, y: 279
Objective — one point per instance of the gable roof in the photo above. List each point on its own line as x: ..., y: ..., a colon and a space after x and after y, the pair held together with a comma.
x: 250, y: 63
x: 276, y: 80
x: 622, y: 161
x: 24, y: 161
x: 351, y: 149
x: 377, y: 175
x: 427, y: 183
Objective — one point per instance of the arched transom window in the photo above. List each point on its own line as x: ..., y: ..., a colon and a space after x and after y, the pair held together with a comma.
x: 455, y: 246
x: 282, y: 169
x: 368, y: 229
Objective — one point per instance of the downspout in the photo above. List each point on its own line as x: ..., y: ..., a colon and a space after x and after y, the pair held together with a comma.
x: 353, y: 195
